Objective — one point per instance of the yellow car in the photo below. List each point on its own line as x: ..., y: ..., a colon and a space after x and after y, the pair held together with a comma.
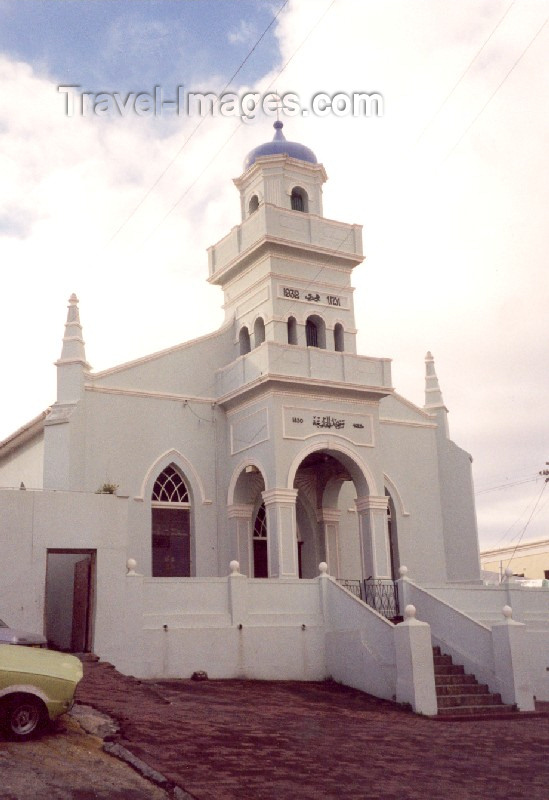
x: 36, y: 685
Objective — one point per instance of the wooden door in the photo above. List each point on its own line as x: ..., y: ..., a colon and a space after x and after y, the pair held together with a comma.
x: 81, y: 605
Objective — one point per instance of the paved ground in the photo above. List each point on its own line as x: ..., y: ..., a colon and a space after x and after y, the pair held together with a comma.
x: 67, y: 764
x: 229, y: 740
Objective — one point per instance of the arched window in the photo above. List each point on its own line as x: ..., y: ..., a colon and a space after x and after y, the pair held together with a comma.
x: 299, y: 199
x: 253, y: 205
x: 292, y: 330
x: 261, y: 567
x: 171, y: 526
x: 339, y: 338
x: 259, y: 332
x: 244, y: 341
x: 315, y: 332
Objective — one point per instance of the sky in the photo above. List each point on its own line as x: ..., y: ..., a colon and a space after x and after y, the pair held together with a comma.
x: 449, y: 182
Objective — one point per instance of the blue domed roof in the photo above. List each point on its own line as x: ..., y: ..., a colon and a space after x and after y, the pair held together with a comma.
x: 279, y: 146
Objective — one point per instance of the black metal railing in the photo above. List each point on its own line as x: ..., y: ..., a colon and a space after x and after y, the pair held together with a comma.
x: 353, y: 586
x: 380, y: 594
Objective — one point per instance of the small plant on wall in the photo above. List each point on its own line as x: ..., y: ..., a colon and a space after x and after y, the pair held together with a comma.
x: 107, y: 488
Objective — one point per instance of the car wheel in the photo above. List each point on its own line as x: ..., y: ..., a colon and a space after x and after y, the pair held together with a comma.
x: 24, y: 717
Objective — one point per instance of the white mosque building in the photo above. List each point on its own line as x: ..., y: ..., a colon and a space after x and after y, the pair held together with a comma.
x: 271, y: 446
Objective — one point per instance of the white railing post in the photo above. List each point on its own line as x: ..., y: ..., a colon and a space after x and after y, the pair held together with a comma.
x: 237, y: 585
x: 402, y: 588
x: 511, y: 662
x: 414, y: 664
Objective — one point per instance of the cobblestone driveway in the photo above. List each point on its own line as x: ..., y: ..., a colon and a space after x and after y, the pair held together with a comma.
x: 240, y: 740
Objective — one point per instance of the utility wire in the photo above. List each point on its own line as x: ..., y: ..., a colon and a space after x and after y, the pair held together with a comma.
x: 496, y: 90
x: 461, y: 77
x: 226, y: 142
x: 527, y: 522
x: 197, y: 126
x: 507, y: 485
x: 510, y: 528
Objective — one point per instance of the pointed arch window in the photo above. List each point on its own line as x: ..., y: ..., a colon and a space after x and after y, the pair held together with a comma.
x: 261, y: 567
x: 171, y: 525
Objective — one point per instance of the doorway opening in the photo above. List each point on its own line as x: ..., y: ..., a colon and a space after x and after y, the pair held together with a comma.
x: 70, y: 594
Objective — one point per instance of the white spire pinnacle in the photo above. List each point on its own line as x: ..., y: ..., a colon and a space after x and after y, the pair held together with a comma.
x: 73, y: 351
x: 433, y: 395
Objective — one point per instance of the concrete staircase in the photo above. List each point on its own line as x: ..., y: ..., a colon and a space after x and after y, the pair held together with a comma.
x: 460, y: 694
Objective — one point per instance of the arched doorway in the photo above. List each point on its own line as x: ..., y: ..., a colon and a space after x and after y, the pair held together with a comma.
x: 248, y: 540
x: 327, y: 529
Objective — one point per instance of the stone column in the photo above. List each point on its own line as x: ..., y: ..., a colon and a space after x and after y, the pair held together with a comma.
x: 281, y: 532
x: 328, y: 518
x: 240, y: 526
x: 374, y: 536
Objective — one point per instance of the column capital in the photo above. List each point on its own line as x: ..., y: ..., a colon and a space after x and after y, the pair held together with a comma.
x: 371, y: 503
x: 328, y: 515
x: 240, y: 510
x: 272, y: 496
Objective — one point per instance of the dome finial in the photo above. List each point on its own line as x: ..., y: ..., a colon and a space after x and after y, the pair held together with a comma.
x: 279, y: 136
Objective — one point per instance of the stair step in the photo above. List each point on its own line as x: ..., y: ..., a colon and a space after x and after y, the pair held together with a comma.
x: 458, y: 700
x: 442, y: 660
x: 459, y: 693
x: 457, y: 711
x: 449, y: 669
x: 461, y: 688
x: 455, y: 680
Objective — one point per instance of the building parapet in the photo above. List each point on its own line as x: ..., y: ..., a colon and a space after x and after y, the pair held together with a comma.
x: 274, y: 360
x: 287, y: 227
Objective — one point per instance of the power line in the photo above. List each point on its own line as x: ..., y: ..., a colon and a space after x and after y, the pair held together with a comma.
x: 226, y: 142
x: 507, y: 485
x: 462, y: 76
x: 195, y: 129
x: 496, y: 90
x: 528, y: 521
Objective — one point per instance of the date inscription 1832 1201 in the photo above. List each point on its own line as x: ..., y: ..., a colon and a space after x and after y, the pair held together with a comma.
x: 294, y: 294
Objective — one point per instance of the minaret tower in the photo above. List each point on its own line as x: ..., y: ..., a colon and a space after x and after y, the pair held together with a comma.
x: 286, y: 270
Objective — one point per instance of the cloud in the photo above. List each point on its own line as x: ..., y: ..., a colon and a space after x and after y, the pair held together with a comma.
x: 452, y: 198
x: 245, y: 33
